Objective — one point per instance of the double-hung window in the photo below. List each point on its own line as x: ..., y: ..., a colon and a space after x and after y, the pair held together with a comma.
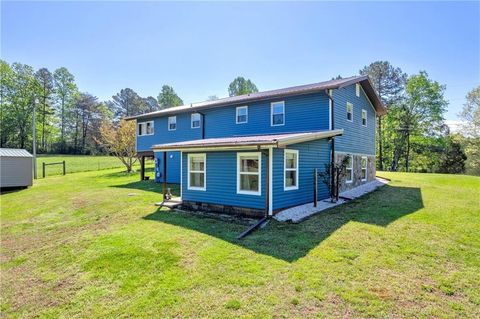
x: 364, y: 168
x: 145, y: 128
x: 172, y: 123
x: 249, y: 170
x: 349, y: 169
x: 278, y: 113
x: 196, y: 171
x: 364, y: 117
x: 242, y: 114
x: 291, y: 169
x: 349, y: 112
x: 195, y: 117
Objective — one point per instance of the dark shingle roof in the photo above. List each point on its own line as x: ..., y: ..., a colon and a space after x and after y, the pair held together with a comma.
x: 294, y: 90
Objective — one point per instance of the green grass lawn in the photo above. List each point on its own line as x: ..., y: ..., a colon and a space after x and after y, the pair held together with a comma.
x: 93, y: 245
x: 78, y: 163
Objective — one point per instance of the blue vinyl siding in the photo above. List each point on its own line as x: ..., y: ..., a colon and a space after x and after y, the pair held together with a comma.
x: 162, y: 135
x: 221, y: 182
x: 314, y: 154
x: 302, y: 113
x: 173, y: 167
x: 356, y: 138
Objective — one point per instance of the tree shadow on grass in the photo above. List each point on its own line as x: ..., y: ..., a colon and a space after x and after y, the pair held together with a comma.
x: 290, y: 242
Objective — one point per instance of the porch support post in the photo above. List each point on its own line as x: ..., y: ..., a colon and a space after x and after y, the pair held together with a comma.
x: 270, y: 181
x: 142, y: 168
x: 164, y: 175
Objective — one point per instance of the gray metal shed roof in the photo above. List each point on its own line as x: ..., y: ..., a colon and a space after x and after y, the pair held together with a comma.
x: 295, y: 90
x: 276, y: 140
x: 14, y: 152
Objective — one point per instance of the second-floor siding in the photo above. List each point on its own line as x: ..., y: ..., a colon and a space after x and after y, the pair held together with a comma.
x: 359, y: 135
x: 301, y: 113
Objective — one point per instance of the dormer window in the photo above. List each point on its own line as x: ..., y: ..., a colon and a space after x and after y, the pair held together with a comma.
x: 195, y: 117
x: 172, y: 123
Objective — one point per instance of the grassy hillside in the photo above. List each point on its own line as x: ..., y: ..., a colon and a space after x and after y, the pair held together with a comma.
x: 78, y: 163
x: 93, y: 245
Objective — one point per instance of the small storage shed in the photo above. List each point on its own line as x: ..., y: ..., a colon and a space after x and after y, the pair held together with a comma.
x: 16, y: 168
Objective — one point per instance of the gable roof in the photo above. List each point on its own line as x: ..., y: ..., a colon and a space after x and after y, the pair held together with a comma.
x: 259, y: 96
x: 14, y: 152
x: 275, y: 140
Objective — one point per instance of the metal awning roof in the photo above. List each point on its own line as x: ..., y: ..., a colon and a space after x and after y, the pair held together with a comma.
x: 272, y: 94
x: 253, y: 141
x: 14, y: 152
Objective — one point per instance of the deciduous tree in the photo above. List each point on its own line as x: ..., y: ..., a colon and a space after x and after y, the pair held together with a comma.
x: 66, y: 92
x: 419, y: 113
x: 470, y: 115
x: 120, y: 141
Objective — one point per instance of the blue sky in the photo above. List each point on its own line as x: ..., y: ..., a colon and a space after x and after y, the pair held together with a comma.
x: 198, y: 48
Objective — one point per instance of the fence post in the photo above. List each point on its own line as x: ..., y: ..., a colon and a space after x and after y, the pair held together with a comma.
x: 43, y: 169
x: 315, y: 185
x: 64, y: 171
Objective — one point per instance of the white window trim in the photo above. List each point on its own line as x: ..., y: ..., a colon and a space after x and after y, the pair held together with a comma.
x: 346, y: 108
x: 236, y: 114
x: 285, y: 169
x: 366, y: 168
x: 366, y: 117
x: 357, y: 89
x: 195, y: 188
x: 199, y: 121
x: 259, y: 173
x: 271, y: 113
x: 145, y: 123
x: 172, y: 117
x: 348, y: 181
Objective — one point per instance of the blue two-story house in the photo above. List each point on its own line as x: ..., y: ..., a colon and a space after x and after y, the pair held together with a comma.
x: 255, y: 154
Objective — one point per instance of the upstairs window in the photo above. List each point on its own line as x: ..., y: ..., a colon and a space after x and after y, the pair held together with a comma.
x: 364, y: 117
x: 349, y: 167
x: 349, y: 112
x: 172, y: 123
x: 196, y: 171
x: 248, y: 173
x: 278, y: 113
x: 242, y: 114
x: 291, y: 170
x: 145, y: 128
x: 364, y: 168
x: 195, y: 120
x: 357, y: 90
